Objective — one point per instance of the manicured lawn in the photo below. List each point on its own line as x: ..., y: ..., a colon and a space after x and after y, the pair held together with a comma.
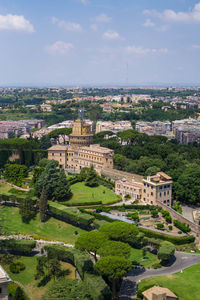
x: 27, y: 277
x: 52, y: 228
x: 83, y: 193
x: 4, y: 188
x: 185, y: 285
x: 150, y: 259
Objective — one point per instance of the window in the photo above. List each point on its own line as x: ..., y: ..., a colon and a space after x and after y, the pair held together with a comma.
x: 60, y: 154
x: 144, y: 191
x: 160, y: 187
x: 160, y: 194
x: 164, y: 193
x: 167, y: 192
x: 0, y: 290
x: 151, y: 193
x: 52, y: 154
x: 147, y: 185
x: 144, y: 184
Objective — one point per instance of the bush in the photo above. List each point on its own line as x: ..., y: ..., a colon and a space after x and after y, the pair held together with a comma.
x: 160, y: 226
x: 168, y: 218
x: 166, y: 251
x: 154, y: 213
x: 16, y: 267
x: 156, y: 266
x: 97, y: 287
x: 182, y: 226
x: 72, y: 215
x: 170, y: 227
x: 22, y: 246
x: 172, y: 239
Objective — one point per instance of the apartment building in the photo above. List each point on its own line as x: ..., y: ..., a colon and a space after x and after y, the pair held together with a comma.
x: 154, y: 128
x: 4, y: 280
x: 113, y: 126
x: 151, y: 190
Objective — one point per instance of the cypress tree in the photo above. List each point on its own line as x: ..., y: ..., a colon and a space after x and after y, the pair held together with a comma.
x: 43, y: 205
x: 63, y: 190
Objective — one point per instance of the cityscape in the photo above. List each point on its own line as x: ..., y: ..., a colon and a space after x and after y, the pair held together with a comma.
x: 99, y: 150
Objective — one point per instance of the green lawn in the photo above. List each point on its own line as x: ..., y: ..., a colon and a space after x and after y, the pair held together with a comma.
x: 51, y: 229
x: 26, y: 277
x: 83, y: 193
x: 4, y: 188
x: 150, y: 259
x: 185, y: 285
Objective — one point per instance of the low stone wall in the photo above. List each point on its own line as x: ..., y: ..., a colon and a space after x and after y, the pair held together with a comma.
x: 115, y: 174
x: 175, y: 215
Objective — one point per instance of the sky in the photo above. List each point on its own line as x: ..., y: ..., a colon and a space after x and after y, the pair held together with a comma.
x: 99, y: 42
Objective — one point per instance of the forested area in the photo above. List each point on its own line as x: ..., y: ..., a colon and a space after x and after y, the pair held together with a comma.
x: 147, y: 155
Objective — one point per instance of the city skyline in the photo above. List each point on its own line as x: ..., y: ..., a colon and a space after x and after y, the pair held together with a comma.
x: 93, y: 42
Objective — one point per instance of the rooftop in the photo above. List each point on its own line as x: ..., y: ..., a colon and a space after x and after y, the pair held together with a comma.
x: 157, y: 290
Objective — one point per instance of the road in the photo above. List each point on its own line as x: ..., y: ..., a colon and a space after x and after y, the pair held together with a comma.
x: 182, y: 261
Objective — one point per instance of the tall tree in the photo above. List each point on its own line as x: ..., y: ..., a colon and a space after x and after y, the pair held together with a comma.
x: 27, y: 209
x: 43, y: 205
x: 62, y: 191
x: 19, y: 294
x: 114, y: 268
x: 113, y: 248
x: 91, y: 241
x: 92, y: 178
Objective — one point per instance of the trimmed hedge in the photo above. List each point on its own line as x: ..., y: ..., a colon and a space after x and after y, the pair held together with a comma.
x: 81, y: 260
x: 22, y: 246
x: 98, y: 223
x: 172, y: 239
x: 83, y: 203
x: 72, y: 215
x: 182, y: 226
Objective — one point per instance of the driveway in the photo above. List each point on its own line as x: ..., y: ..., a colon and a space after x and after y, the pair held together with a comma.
x: 182, y: 261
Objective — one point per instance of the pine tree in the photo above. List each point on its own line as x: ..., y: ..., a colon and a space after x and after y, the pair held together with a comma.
x: 19, y: 294
x: 63, y: 190
x: 43, y: 205
x: 92, y: 178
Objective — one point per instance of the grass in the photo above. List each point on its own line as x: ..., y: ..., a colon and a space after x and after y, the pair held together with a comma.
x: 83, y: 194
x: 4, y: 187
x: 26, y: 277
x: 150, y: 259
x: 51, y: 229
x: 185, y: 285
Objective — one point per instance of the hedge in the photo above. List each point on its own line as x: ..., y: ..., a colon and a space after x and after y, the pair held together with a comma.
x: 182, y: 226
x: 172, y: 239
x: 22, y: 246
x: 72, y: 215
x: 75, y: 203
x: 98, y: 223
x: 81, y: 260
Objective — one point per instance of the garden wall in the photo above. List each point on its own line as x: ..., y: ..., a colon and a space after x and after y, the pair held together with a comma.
x: 175, y: 215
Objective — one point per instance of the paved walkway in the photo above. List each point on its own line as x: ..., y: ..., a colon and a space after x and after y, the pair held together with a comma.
x: 24, y: 289
x: 187, y: 212
x: 182, y: 261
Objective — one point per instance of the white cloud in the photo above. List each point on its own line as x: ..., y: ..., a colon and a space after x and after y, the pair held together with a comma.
x: 16, y: 23
x: 196, y: 46
x: 102, y: 18
x: 59, y: 47
x: 69, y: 26
x: 144, y: 51
x: 149, y: 23
x: 94, y: 27
x: 170, y: 15
x: 112, y: 35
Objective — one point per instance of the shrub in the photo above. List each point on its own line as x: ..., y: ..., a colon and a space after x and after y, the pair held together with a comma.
x: 156, y: 266
x: 97, y: 287
x: 160, y: 226
x: 22, y: 246
x: 172, y: 239
x: 17, y: 266
x: 170, y: 227
x: 168, y: 218
x: 166, y: 251
x: 154, y: 213
x: 182, y: 226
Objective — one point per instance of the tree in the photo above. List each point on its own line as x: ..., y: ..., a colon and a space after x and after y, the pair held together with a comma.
x: 92, y: 178
x: 43, y: 205
x: 48, y: 179
x: 15, y: 173
x: 67, y: 289
x: 91, y: 241
x: 37, y: 171
x: 27, y: 209
x: 113, y: 248
x: 121, y: 231
x: 40, y: 268
x: 62, y: 191
x: 166, y: 252
x: 54, y: 268
x: 19, y: 294
x: 114, y: 268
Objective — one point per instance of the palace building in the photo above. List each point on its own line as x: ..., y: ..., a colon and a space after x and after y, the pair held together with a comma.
x: 81, y: 152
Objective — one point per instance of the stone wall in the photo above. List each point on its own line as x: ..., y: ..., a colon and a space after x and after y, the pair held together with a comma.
x: 175, y: 215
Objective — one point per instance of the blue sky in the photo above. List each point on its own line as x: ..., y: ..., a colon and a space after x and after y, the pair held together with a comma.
x: 99, y: 42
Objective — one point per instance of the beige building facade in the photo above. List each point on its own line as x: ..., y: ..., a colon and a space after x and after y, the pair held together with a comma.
x: 151, y: 190
x: 158, y: 293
